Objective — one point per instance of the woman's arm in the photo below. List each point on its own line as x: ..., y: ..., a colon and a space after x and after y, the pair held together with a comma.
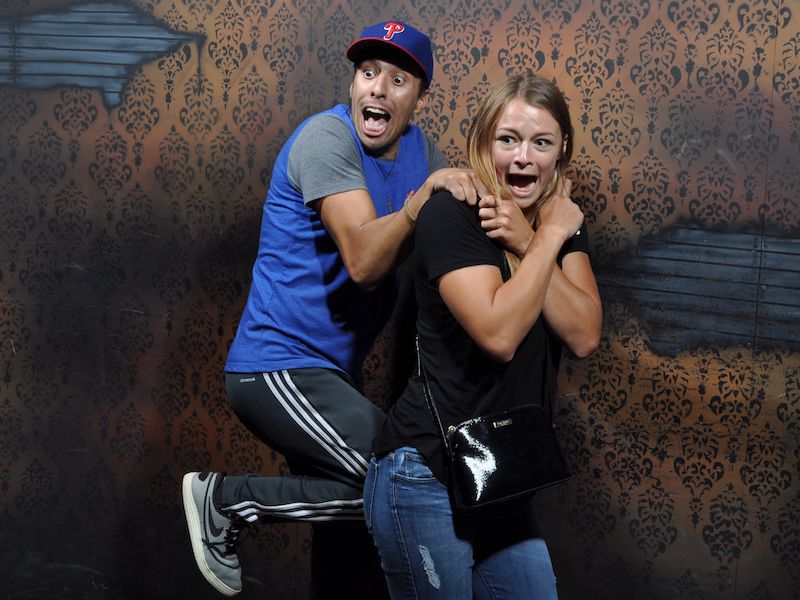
x: 572, y: 305
x: 498, y: 315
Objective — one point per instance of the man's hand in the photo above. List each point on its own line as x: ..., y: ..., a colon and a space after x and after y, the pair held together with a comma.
x: 463, y: 184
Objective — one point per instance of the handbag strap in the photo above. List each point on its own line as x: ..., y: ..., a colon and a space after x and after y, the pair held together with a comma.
x: 426, y: 390
x: 428, y: 396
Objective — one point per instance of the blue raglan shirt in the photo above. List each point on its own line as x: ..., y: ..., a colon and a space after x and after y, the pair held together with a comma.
x: 303, y: 310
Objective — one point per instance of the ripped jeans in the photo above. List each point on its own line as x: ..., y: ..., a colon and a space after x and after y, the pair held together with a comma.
x: 427, y: 551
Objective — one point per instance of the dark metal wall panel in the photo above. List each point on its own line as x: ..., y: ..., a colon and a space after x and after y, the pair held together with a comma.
x: 697, y: 287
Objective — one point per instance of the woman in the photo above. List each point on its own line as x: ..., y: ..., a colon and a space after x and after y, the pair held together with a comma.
x: 499, y: 291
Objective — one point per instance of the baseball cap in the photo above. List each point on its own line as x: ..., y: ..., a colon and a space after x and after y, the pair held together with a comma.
x: 401, y: 36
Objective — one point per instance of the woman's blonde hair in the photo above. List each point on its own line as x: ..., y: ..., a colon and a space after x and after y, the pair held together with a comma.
x: 535, y: 91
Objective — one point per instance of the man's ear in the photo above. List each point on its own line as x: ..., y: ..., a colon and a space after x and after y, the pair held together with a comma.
x: 422, y: 101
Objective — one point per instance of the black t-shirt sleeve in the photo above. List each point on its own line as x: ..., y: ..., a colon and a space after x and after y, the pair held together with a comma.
x: 577, y: 243
x: 449, y: 237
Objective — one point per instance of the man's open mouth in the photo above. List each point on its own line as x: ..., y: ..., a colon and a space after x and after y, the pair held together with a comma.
x: 375, y: 120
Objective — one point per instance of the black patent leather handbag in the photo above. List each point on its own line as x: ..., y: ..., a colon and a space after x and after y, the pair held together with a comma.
x: 499, y: 457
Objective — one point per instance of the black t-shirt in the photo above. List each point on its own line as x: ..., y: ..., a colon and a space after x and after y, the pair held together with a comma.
x: 463, y: 380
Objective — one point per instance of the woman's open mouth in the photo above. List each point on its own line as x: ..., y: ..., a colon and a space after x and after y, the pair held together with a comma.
x: 521, y: 184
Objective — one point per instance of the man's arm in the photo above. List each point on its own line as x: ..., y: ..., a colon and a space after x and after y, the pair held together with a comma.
x: 324, y: 164
x: 371, y: 246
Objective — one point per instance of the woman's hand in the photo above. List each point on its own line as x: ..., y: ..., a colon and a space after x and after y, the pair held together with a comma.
x: 504, y: 221
x: 560, y: 212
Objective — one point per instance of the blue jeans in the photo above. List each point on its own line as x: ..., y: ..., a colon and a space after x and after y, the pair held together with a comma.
x: 427, y: 551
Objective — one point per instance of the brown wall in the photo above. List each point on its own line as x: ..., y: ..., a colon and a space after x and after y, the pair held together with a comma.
x: 128, y: 232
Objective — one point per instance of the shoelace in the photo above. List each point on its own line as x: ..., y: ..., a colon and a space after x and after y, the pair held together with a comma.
x: 231, y: 539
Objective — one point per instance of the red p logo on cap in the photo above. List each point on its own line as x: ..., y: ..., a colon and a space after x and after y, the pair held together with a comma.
x: 392, y: 28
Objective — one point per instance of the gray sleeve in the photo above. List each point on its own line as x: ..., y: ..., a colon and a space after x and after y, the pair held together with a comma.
x: 436, y: 159
x: 324, y: 160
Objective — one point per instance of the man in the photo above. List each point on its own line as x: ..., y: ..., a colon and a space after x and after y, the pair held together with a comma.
x: 339, y: 217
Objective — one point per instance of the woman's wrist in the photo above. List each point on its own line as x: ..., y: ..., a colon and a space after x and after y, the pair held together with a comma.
x: 524, y: 249
x: 546, y: 235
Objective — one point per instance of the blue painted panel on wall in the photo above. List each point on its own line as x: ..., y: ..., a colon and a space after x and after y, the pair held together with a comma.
x: 96, y: 45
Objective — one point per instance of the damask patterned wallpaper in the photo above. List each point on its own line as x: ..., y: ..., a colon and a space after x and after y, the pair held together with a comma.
x: 128, y: 231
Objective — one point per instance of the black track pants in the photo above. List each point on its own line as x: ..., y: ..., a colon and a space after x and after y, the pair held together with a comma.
x: 324, y: 428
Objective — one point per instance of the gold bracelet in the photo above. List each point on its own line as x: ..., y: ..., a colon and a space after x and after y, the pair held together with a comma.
x: 410, y: 216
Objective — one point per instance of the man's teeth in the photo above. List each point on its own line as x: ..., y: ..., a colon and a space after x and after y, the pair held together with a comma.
x: 375, y: 113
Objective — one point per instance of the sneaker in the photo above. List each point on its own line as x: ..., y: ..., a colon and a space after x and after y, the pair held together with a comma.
x: 213, y: 535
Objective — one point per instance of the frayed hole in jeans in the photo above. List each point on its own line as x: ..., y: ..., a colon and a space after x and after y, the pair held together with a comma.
x: 430, y: 568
